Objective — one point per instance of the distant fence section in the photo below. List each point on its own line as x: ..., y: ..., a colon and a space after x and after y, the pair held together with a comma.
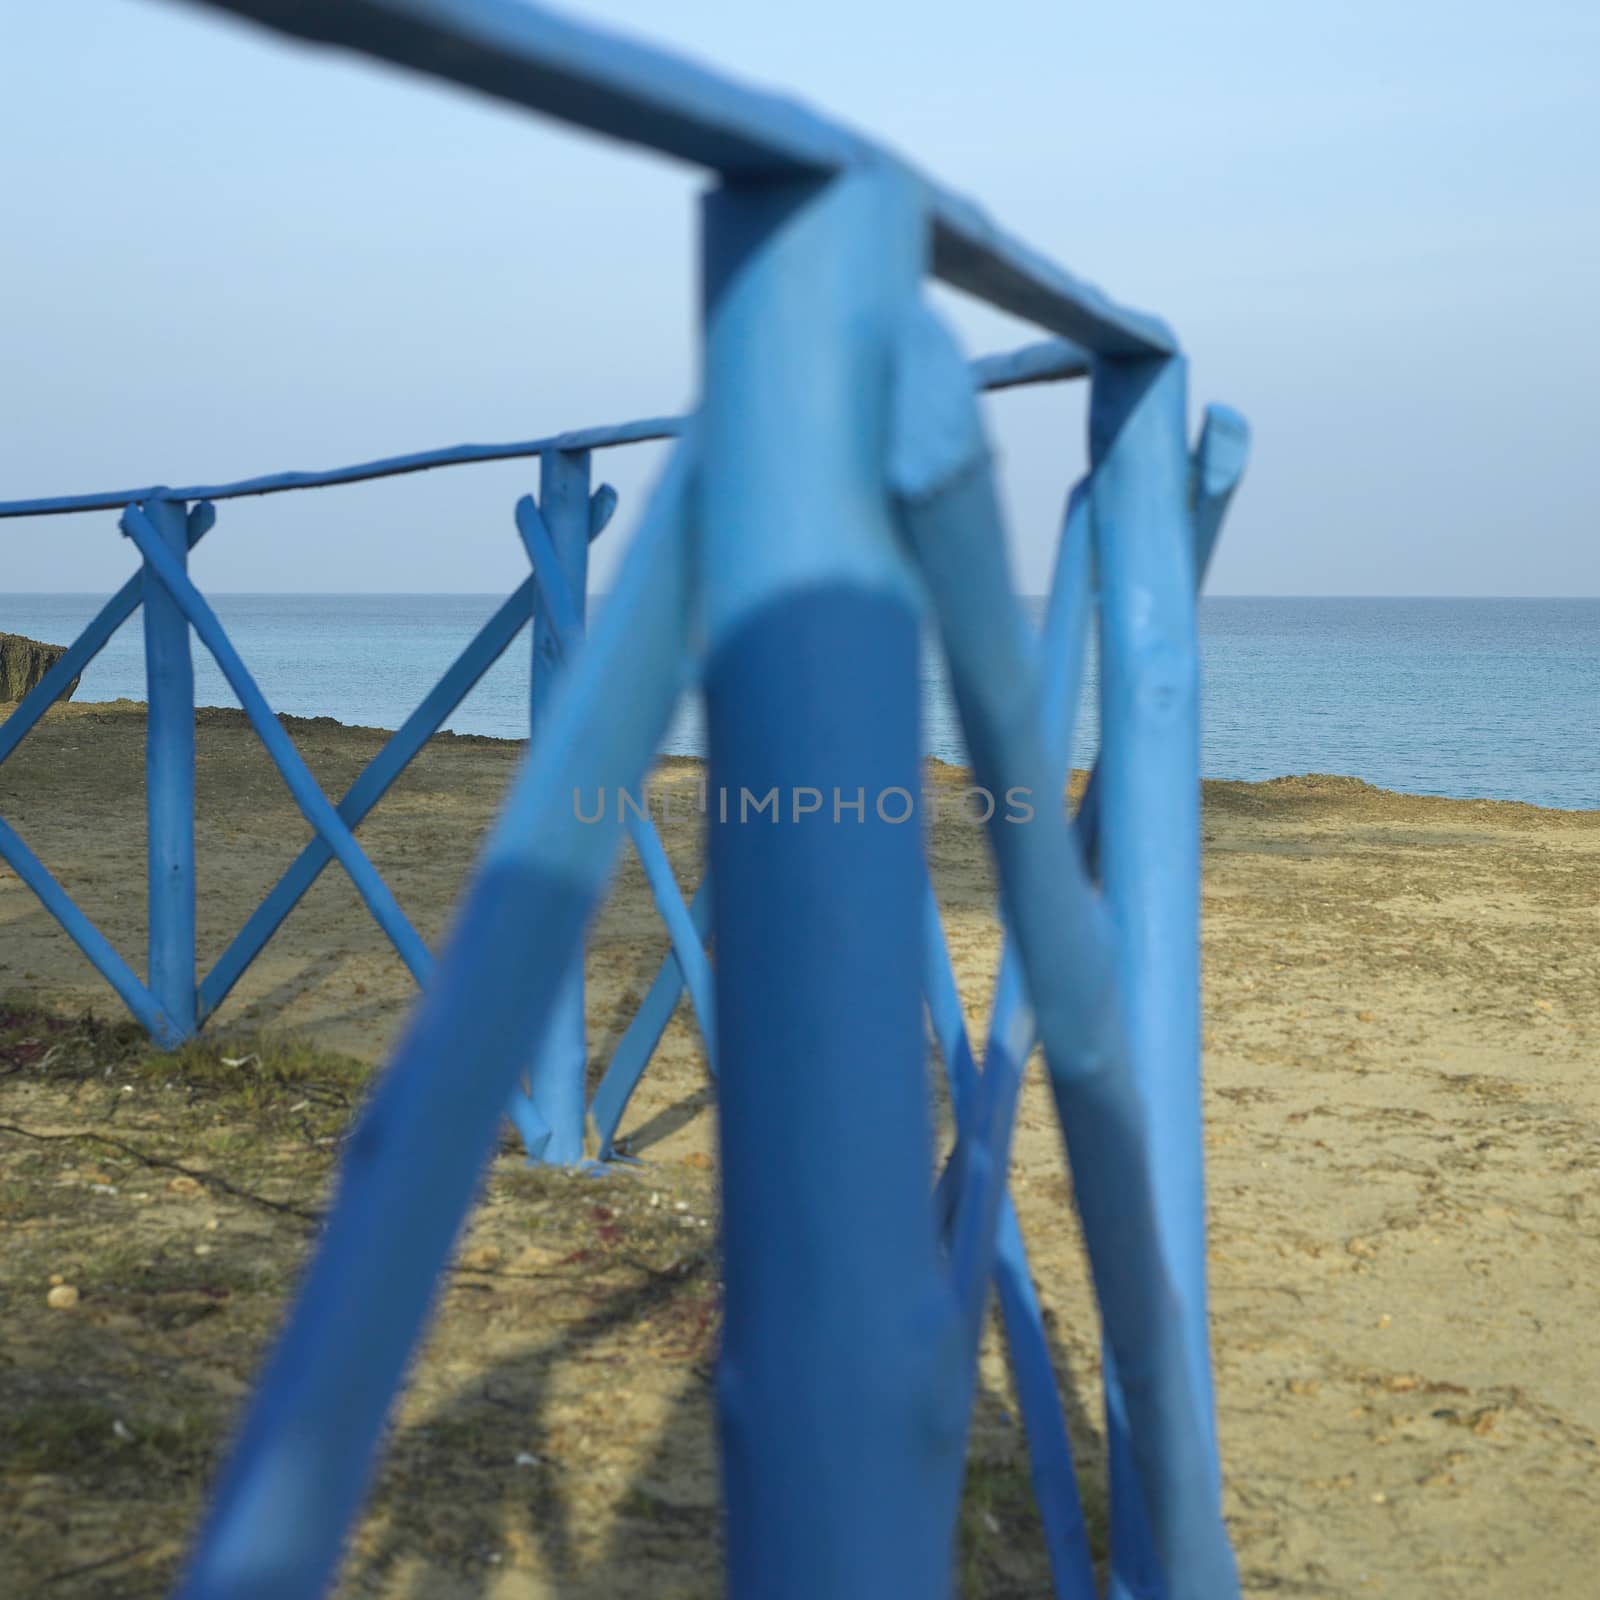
x: 173, y: 1002
x: 833, y: 484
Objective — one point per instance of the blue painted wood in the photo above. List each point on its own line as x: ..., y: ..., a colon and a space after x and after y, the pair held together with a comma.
x: 842, y: 1450
x: 1054, y: 1475
x: 942, y: 994
x: 938, y: 467
x: 643, y: 1033
x: 1150, y: 856
x: 299, y: 1468
x: 595, y: 79
x: 688, y: 946
x: 972, y: 253
x: 463, y: 675
x: 602, y: 508
x: 563, y: 621
x: 144, y: 1006
x: 461, y: 455
x: 1047, y: 361
x: 558, y: 1072
x: 487, y: 646
x: 1216, y: 470
x: 1070, y: 952
x: 1214, y: 475
x: 79, y: 654
x: 1013, y: 1031
x: 314, y: 805
x: 1218, y: 463
x: 94, y: 638
x: 169, y: 777
x: 840, y: 1377
x: 1051, y: 1468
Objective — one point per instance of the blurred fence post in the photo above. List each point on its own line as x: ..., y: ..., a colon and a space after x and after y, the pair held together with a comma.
x: 1150, y: 850
x: 840, y: 1380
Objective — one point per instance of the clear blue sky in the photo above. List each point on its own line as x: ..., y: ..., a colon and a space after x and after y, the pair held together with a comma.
x: 1375, y: 225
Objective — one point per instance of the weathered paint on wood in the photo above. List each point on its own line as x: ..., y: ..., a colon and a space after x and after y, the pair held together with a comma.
x: 828, y: 1242
x: 1072, y: 954
x: 772, y: 544
x: 1054, y: 1475
x: 144, y: 1006
x: 643, y: 1033
x: 299, y: 1468
x: 94, y: 638
x: 563, y: 620
x: 462, y: 676
x: 315, y: 806
x: 169, y: 774
x: 559, y: 1069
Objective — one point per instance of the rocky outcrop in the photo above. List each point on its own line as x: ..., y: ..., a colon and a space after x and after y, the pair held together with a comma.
x: 23, y: 662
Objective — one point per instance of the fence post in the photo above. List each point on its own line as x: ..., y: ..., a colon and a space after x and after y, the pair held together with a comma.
x: 169, y: 779
x: 1150, y: 850
x: 840, y: 1378
x: 557, y: 1080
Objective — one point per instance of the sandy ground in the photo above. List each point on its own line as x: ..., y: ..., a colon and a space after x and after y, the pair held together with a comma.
x: 1402, y: 1011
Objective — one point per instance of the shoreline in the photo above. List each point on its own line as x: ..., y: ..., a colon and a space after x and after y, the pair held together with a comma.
x: 1308, y: 785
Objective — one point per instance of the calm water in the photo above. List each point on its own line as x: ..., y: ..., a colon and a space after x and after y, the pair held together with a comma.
x: 1491, y: 698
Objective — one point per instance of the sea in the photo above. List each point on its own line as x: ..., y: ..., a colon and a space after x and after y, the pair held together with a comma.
x: 1493, y: 699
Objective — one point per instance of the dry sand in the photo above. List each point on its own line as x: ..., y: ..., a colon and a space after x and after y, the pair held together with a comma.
x: 1402, y: 1012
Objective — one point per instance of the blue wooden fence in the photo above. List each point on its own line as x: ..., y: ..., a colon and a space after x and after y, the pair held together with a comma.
x: 833, y: 487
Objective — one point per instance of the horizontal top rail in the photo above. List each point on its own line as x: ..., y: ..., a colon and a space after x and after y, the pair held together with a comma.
x: 1045, y: 362
x: 458, y: 455
x: 643, y: 95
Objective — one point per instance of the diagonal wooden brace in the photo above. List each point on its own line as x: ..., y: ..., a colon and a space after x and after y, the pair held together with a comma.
x: 314, y: 805
x: 688, y: 945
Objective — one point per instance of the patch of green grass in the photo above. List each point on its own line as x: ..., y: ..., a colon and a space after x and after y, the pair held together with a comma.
x: 34, y: 1038
x: 133, y: 1269
x: 23, y: 1201
x: 250, y: 1071
x: 1002, y: 1534
x: 90, y: 1435
x: 998, y: 1517
x: 259, y: 1069
x: 273, y: 1084
x: 264, y: 1084
x: 533, y: 1183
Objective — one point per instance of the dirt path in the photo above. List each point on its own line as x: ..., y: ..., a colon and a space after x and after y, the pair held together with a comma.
x: 1403, y: 1012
